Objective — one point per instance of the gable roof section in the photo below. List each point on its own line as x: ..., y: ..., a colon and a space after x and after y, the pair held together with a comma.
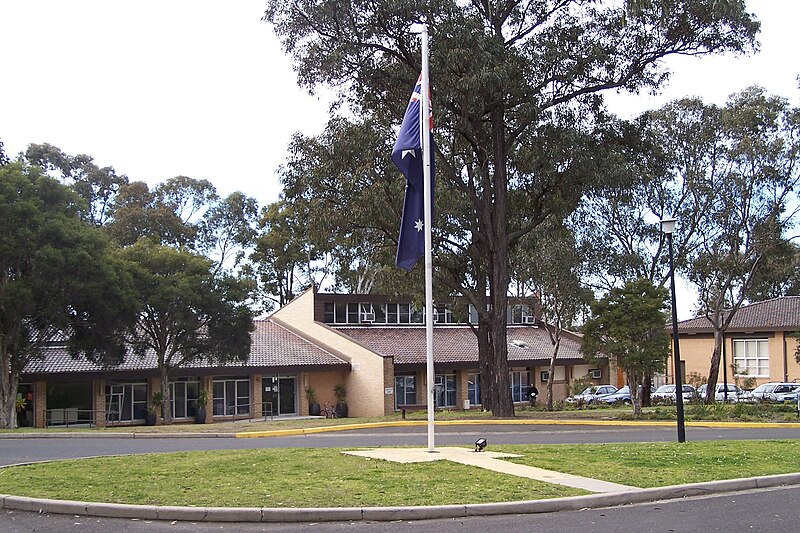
x: 458, y: 344
x: 272, y: 346
x: 777, y: 314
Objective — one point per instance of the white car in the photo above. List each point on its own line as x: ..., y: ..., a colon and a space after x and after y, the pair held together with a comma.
x: 734, y: 392
x: 666, y: 393
x: 771, y: 392
x: 590, y: 394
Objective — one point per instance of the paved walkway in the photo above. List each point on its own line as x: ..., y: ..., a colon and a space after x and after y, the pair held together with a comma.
x: 490, y: 461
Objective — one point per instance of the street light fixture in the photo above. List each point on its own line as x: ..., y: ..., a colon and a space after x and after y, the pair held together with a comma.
x: 667, y: 228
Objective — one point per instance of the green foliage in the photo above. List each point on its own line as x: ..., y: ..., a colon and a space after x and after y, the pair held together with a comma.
x: 341, y: 392
x: 628, y: 325
x: 58, y: 276
x: 520, y: 129
x: 189, y: 313
x: 578, y: 385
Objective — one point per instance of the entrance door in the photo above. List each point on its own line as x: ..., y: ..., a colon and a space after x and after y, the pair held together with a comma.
x: 280, y: 392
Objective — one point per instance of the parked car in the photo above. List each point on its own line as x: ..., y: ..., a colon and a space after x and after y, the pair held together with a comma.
x: 622, y: 395
x: 734, y: 392
x: 666, y: 393
x: 771, y: 392
x: 590, y: 394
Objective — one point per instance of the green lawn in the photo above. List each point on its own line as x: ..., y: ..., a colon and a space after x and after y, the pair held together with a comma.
x: 327, y: 478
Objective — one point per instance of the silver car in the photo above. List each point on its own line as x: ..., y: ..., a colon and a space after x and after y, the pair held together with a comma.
x: 734, y: 392
x: 771, y: 392
x: 590, y: 394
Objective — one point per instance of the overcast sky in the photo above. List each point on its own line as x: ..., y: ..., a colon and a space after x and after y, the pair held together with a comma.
x: 200, y: 88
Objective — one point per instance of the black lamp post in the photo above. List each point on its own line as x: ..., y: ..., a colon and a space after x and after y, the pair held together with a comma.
x: 667, y: 227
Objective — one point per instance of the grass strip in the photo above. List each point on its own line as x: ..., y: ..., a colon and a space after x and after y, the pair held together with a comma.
x: 269, y: 478
x: 326, y: 478
x: 660, y: 464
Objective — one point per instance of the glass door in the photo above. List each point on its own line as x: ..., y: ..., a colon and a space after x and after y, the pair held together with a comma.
x: 280, y: 394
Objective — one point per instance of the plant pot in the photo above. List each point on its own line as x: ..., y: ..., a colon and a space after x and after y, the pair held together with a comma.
x: 341, y: 410
x: 150, y: 419
x: 314, y: 409
x: 200, y: 415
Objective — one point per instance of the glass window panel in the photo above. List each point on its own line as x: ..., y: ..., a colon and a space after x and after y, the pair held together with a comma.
x: 380, y: 313
x: 330, y: 314
x: 341, y: 313
x: 352, y: 313
x: 404, y: 312
x: 391, y: 314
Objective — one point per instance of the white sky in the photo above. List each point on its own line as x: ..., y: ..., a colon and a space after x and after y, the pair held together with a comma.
x: 200, y: 88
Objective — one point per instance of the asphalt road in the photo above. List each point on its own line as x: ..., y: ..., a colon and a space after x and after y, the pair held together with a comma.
x: 774, y: 511
x: 13, y: 451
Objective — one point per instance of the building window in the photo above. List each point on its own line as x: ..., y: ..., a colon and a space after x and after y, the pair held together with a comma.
x: 445, y: 387
x: 405, y: 389
x: 522, y: 314
x: 126, y: 402
x: 442, y: 315
x: 751, y: 357
x: 330, y: 313
x: 183, y: 392
x: 519, y: 378
x: 231, y: 396
x: 474, y: 388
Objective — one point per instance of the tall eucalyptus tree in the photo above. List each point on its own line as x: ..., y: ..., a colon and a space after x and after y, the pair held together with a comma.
x: 519, y: 123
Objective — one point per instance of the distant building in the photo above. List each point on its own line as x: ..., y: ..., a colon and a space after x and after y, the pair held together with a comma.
x: 371, y: 345
x: 760, y: 343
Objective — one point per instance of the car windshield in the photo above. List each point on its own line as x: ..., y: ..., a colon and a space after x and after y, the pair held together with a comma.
x: 763, y: 388
x: 624, y: 390
x: 589, y: 390
x: 666, y: 388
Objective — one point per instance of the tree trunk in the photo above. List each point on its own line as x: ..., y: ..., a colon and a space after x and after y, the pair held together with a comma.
x: 166, y: 400
x: 485, y: 362
x: 9, y: 382
x: 495, y: 222
x: 647, y: 388
x: 713, y: 371
x: 636, y: 401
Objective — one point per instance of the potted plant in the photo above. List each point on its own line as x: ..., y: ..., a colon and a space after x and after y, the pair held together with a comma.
x: 313, y: 406
x: 152, y: 409
x: 202, y: 401
x: 21, y: 403
x: 341, y: 407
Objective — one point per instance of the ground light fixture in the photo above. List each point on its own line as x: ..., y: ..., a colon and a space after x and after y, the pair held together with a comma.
x: 667, y: 227
x: 480, y: 444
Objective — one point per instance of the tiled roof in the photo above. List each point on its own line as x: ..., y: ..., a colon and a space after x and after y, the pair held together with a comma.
x: 272, y: 346
x: 770, y: 315
x: 457, y: 344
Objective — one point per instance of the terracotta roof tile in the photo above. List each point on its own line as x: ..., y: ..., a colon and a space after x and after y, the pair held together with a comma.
x: 457, y: 344
x: 272, y: 346
x: 770, y: 315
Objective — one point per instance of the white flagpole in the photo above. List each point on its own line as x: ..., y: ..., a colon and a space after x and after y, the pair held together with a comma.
x: 424, y: 124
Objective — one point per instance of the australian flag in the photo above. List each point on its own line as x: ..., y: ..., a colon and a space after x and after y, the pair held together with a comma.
x: 407, y: 156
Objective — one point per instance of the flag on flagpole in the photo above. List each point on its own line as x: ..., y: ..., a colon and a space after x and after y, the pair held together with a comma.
x: 407, y: 155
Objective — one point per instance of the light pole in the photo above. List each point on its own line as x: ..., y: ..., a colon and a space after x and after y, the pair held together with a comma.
x: 667, y: 227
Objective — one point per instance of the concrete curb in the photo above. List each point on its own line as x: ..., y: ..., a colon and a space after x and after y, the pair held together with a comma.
x: 269, y: 514
x: 371, y: 425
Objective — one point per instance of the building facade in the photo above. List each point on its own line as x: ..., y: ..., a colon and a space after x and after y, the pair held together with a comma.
x: 372, y: 347
x: 759, y: 346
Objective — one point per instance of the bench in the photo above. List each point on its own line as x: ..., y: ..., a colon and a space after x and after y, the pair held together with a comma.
x: 411, y: 407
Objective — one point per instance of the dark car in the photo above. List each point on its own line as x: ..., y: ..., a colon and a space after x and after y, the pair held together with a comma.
x: 623, y: 395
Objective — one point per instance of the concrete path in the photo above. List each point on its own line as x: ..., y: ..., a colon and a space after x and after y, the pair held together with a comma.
x: 490, y: 461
